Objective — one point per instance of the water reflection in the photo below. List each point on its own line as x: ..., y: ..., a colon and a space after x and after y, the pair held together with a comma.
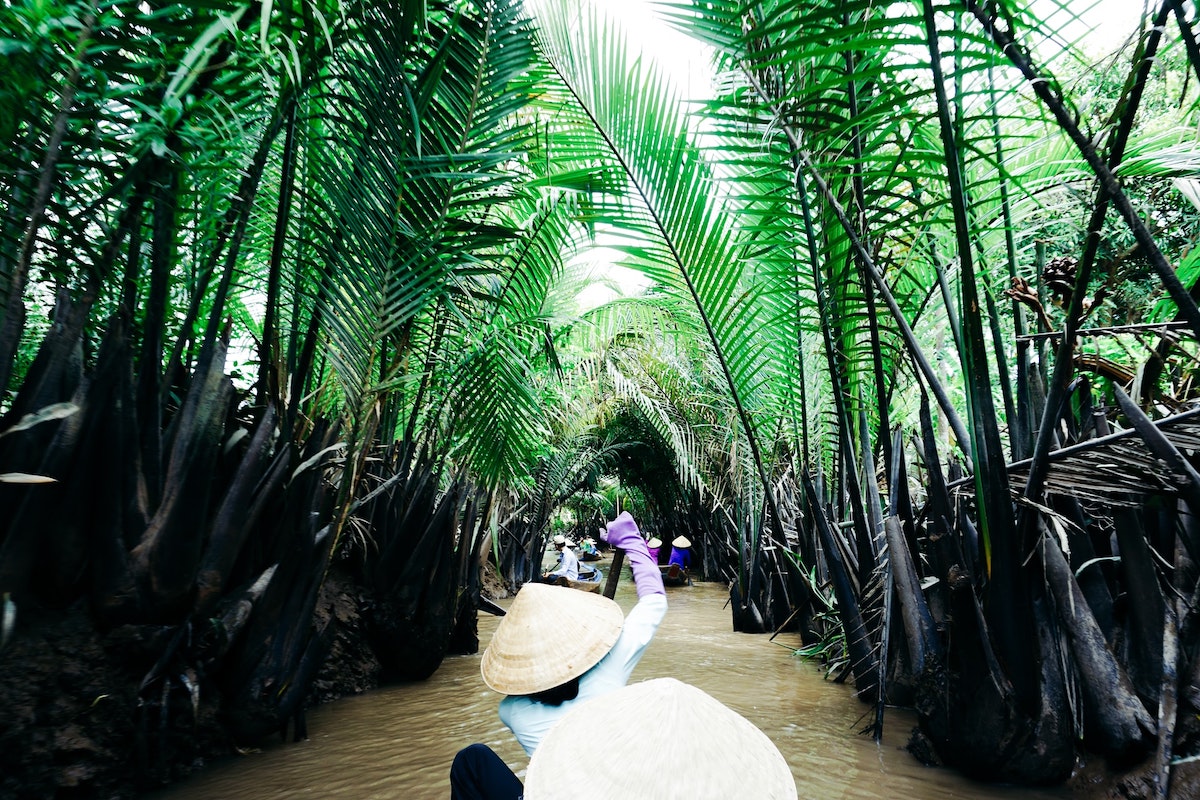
x: 397, y: 743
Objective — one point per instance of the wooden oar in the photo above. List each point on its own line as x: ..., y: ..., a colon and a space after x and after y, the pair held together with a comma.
x: 614, y: 572
x: 490, y: 606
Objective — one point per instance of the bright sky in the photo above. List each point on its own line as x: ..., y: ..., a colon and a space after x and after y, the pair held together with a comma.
x: 1103, y: 24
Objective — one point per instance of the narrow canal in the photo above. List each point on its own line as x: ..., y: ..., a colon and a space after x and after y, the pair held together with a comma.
x: 397, y: 743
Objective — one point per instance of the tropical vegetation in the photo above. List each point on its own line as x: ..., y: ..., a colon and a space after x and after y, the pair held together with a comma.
x: 290, y: 308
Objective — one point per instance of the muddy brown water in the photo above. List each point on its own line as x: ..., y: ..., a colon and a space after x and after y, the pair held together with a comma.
x: 397, y: 743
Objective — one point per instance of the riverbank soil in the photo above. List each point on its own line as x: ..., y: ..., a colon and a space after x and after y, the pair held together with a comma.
x: 74, y: 725
x: 1094, y: 780
x: 491, y: 584
x: 81, y: 711
x: 81, y: 718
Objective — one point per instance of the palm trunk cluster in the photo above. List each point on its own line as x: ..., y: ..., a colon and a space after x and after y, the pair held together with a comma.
x: 185, y: 513
x: 990, y: 605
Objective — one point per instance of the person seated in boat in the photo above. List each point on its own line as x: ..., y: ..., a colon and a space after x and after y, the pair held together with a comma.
x: 588, y: 548
x: 544, y: 674
x: 653, y: 546
x: 681, y: 552
x: 569, y: 565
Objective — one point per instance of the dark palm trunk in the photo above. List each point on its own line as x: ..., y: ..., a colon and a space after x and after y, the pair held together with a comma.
x: 13, y: 321
x: 268, y: 352
x: 412, y: 580
x: 1115, y: 722
x: 162, y: 256
x: 1007, y: 602
x: 1146, y: 607
x: 170, y: 549
x: 862, y: 656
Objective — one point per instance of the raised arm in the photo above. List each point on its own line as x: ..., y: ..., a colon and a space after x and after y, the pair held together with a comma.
x: 623, y: 533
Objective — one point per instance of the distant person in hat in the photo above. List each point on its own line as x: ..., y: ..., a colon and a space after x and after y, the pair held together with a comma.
x: 588, y: 546
x: 681, y: 552
x: 653, y: 546
x: 555, y: 649
x: 569, y: 567
x: 725, y: 755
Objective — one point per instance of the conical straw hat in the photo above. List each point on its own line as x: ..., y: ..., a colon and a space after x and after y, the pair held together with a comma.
x: 654, y: 542
x: 549, y: 635
x: 681, y: 541
x: 708, y: 750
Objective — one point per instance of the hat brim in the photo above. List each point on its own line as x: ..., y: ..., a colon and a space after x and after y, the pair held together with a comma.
x: 529, y: 652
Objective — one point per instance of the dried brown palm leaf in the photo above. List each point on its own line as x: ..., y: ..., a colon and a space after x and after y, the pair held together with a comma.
x: 1119, y: 468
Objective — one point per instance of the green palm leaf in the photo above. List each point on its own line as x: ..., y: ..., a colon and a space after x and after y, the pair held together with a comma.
x: 682, y: 235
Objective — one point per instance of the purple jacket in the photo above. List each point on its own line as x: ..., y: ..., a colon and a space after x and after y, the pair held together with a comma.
x: 681, y: 557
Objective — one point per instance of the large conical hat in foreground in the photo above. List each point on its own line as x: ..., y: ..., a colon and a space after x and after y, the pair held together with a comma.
x: 681, y: 542
x: 549, y: 635
x: 707, y: 750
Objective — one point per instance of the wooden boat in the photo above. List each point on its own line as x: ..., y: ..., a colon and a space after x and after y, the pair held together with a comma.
x: 586, y: 556
x: 674, y: 575
x: 588, y: 582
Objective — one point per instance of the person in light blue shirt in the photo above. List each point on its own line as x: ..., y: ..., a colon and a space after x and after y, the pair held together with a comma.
x: 531, y: 716
x: 556, y: 648
x: 569, y: 568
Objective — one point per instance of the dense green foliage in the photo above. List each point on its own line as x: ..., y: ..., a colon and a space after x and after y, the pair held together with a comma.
x: 301, y: 282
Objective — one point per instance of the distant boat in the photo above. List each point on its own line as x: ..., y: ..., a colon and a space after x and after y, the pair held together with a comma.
x: 674, y: 575
x: 588, y: 582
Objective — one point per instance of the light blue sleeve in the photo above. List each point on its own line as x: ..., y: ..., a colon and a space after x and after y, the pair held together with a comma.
x: 529, y: 720
x: 613, y: 671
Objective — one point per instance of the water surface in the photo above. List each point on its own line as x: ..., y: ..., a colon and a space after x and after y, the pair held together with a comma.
x: 397, y: 743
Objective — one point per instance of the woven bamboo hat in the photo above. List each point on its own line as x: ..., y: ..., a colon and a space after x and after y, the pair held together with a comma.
x: 654, y: 542
x: 681, y: 541
x: 724, y: 753
x: 529, y: 652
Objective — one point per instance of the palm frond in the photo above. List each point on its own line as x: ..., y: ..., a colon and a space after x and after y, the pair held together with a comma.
x: 682, y: 232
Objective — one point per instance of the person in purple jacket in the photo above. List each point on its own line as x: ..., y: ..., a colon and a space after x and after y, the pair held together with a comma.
x: 652, y: 547
x: 681, y: 552
x: 544, y: 674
